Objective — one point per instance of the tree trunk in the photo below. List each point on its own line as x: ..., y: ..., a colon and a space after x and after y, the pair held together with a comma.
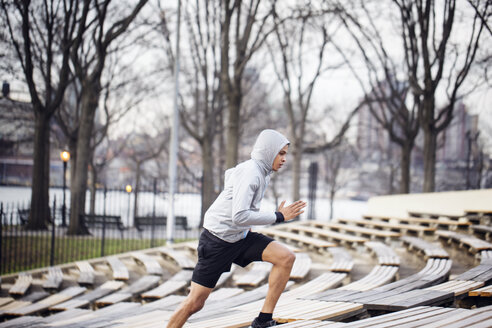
x: 137, y: 187
x: 406, y: 155
x: 430, y: 147
x: 296, y: 169
x: 40, y: 212
x: 79, y: 186
x: 92, y: 207
x: 332, y: 199
x: 233, y: 130
x: 208, y: 186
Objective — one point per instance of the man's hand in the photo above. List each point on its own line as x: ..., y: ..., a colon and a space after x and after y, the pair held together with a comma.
x: 293, y: 210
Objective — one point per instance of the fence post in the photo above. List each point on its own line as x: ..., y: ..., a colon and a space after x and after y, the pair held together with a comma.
x: 1, y: 240
x: 152, y: 243
x: 104, y: 222
x: 53, y: 222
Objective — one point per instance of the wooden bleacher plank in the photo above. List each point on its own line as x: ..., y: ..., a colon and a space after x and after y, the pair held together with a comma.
x: 224, y: 293
x: 5, y: 301
x: 21, y: 322
x: 310, y: 242
x: 483, y: 231
x: 436, y: 215
x: 458, y: 287
x: 465, y: 319
x: 342, y: 260
x: 120, y: 271
x: 151, y: 265
x: 153, y: 318
x: 405, y: 228
x: 429, y: 250
x: 440, y: 222
x: 312, y: 324
x: 479, y: 215
x: 141, y: 285
x: 379, y: 275
x: 485, y: 291
x: 412, y: 298
x: 359, y: 231
x: 385, y: 255
x: 84, y: 300
x: 481, y: 273
x: 301, y: 267
x: 64, y: 315
x: 54, y: 278
x: 337, y: 237
x: 406, y: 318
x: 319, y: 284
x: 22, y: 284
x: 258, y: 272
x: 183, y: 261
x: 473, y: 244
x: 174, y: 284
x: 102, y: 317
x: 45, y: 303
x: 164, y: 303
x: 86, y: 275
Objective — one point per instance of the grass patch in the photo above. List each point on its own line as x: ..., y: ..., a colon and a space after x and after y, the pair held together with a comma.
x: 22, y: 253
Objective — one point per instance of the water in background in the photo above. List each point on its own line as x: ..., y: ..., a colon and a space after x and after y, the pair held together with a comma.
x: 189, y: 205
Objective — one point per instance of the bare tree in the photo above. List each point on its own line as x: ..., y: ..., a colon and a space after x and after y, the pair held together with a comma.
x: 245, y: 26
x: 88, y: 66
x: 43, y: 35
x: 432, y: 59
x: 298, y: 81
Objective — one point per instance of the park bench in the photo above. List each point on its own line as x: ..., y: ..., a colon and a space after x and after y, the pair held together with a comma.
x: 23, y: 215
x: 429, y: 250
x: 485, y: 291
x: 358, y: 231
x: 486, y: 257
x: 175, y: 283
x: 441, y: 222
x: 340, y: 238
x: 482, y: 231
x: 458, y: 287
x: 85, y: 300
x: 480, y: 273
x: 403, y: 228
x: 53, y: 279
x: 86, y: 273
x: 151, y: 265
x: 120, y: 271
x: 471, y: 243
x: 106, y: 221
x: 385, y: 255
x: 290, y: 237
x: 141, y: 222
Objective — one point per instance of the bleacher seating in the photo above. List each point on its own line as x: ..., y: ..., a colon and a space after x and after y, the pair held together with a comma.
x: 326, y: 287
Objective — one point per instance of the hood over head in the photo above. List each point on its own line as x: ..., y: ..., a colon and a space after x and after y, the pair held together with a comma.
x: 267, y: 146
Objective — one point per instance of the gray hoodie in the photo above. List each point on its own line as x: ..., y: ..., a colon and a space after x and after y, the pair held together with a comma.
x: 237, y: 207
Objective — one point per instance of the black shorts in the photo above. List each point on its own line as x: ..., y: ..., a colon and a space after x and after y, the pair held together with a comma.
x: 216, y: 256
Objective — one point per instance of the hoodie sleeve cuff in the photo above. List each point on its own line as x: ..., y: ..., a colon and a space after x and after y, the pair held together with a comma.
x: 280, y: 217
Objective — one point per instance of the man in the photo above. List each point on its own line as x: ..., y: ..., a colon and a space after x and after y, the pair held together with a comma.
x: 227, y: 238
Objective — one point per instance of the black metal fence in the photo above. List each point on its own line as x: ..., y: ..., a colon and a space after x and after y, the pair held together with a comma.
x: 113, y: 228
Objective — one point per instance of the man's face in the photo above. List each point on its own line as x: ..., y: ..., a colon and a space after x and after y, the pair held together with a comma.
x: 280, y: 158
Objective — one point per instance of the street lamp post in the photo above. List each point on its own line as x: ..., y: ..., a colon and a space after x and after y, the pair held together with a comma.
x: 128, y: 189
x: 65, y: 157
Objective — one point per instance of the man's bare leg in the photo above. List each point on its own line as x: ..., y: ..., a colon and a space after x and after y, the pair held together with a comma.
x: 282, y: 259
x: 192, y: 304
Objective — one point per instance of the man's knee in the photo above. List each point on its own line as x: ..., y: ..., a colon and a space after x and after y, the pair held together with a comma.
x: 286, y: 259
x: 193, y: 305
